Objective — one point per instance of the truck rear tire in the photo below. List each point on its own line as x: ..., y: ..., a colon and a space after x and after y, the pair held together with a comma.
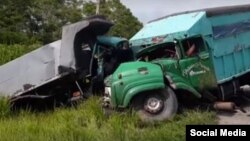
x: 158, y: 105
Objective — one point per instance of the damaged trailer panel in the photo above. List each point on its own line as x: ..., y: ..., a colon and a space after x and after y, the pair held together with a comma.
x: 78, y: 33
x: 30, y: 70
x: 47, y: 64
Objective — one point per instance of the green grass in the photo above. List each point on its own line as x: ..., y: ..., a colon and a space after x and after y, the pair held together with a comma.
x: 4, y: 108
x: 88, y: 123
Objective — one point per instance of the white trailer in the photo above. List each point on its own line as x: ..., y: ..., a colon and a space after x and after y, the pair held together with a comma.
x: 52, y: 71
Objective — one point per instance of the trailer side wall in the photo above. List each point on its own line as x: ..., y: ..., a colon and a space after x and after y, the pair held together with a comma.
x: 231, y: 45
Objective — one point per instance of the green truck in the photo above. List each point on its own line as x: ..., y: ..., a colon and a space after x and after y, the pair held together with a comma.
x: 198, y: 54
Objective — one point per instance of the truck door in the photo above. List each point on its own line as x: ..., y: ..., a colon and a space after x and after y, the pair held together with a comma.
x: 196, y: 65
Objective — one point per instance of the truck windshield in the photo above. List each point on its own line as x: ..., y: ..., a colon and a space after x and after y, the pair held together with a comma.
x: 165, y: 50
x: 113, y: 54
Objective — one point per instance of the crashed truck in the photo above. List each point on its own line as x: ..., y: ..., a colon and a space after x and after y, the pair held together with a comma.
x: 182, y: 57
x: 66, y: 70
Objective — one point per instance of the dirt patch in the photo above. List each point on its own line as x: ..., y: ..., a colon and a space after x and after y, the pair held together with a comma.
x: 237, y: 117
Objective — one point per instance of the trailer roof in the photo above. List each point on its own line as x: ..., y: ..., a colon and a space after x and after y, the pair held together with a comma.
x: 181, y: 25
x: 212, y: 11
x: 170, y: 28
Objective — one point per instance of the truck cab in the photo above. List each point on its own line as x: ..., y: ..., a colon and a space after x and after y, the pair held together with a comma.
x: 107, y: 54
x: 182, y: 66
x: 186, y: 58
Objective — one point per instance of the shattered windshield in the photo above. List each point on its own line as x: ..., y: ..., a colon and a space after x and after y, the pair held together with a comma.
x: 166, y: 50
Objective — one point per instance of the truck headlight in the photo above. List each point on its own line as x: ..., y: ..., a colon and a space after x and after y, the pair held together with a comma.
x: 107, y: 91
x: 107, y: 97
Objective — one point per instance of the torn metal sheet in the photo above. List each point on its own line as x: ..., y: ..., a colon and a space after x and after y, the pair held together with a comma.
x: 85, y: 30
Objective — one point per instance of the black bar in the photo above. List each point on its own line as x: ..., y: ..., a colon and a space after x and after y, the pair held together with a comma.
x: 216, y: 132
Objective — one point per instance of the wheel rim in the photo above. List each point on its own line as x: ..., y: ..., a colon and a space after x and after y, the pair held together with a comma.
x: 153, y: 105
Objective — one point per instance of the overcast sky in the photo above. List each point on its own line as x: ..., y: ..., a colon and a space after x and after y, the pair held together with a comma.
x: 146, y: 10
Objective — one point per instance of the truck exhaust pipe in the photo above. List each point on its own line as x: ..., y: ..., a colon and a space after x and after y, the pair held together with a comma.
x: 228, y: 106
x: 225, y: 106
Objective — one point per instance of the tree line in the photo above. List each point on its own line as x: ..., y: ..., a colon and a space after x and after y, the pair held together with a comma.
x: 41, y: 21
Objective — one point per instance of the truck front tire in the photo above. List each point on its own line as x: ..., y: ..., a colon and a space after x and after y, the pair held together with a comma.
x: 157, y: 105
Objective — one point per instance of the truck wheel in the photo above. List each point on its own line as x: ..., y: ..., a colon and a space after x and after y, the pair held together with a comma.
x: 158, y: 105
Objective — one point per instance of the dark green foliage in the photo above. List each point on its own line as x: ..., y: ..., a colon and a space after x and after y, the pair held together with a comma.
x: 48, y: 16
x: 29, y: 21
x: 13, y: 15
x: 126, y: 25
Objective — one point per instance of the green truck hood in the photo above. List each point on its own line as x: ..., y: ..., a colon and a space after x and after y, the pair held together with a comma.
x: 135, y: 77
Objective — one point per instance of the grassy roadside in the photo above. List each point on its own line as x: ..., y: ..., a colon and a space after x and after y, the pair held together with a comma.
x: 87, y: 122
